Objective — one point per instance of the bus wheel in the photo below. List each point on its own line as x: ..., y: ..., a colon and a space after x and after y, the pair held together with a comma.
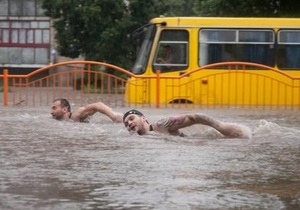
x: 181, y: 101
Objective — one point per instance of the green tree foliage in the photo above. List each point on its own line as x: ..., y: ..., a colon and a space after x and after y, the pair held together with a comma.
x: 101, y: 29
x: 95, y: 29
x: 288, y: 8
x: 143, y: 11
x: 248, y: 8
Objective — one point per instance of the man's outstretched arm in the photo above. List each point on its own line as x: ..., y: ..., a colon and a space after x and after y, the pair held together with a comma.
x: 173, y: 124
x: 84, y: 112
x: 230, y: 130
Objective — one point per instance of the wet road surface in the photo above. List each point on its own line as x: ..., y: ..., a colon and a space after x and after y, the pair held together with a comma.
x: 48, y: 164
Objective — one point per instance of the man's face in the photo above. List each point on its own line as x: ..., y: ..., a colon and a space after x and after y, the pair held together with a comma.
x: 57, y: 111
x: 135, y: 123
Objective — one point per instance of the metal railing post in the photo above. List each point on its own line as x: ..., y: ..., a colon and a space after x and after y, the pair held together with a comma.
x: 157, y: 88
x: 5, y: 87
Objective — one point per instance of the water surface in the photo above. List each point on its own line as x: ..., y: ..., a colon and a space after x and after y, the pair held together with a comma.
x: 49, y: 164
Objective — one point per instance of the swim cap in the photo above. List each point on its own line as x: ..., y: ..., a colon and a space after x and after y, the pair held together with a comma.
x: 133, y: 111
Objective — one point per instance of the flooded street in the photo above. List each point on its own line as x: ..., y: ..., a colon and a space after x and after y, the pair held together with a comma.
x: 49, y: 164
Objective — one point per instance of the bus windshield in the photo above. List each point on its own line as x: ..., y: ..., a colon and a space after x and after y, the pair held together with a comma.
x: 147, y: 34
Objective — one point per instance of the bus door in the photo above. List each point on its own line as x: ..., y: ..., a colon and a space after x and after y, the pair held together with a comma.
x: 171, y: 58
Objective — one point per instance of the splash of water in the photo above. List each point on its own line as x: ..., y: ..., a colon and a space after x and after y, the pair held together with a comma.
x: 267, y: 127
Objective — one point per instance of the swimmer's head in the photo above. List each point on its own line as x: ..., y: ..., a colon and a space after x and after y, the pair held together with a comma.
x: 60, y: 109
x: 135, y: 122
x: 64, y: 103
x: 132, y: 111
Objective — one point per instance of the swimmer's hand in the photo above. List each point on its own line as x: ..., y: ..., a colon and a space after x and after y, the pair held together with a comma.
x: 233, y: 130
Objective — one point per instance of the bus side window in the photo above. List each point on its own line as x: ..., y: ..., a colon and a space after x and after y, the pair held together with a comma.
x: 167, y: 55
x: 172, y: 50
x: 288, y: 49
x: 259, y: 54
x: 293, y: 55
x: 214, y: 52
x: 288, y: 57
x: 223, y: 45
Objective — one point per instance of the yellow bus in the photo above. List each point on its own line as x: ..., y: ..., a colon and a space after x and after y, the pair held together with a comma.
x: 190, y: 55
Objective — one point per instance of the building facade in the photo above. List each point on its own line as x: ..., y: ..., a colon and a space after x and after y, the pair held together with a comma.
x: 25, y: 35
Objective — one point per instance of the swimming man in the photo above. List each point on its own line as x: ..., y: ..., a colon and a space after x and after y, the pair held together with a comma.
x: 136, y: 122
x: 61, y: 110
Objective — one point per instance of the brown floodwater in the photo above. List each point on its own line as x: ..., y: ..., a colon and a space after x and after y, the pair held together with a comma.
x: 49, y: 164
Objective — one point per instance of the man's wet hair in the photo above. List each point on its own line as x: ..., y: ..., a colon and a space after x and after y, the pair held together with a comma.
x: 64, y: 103
x: 132, y: 111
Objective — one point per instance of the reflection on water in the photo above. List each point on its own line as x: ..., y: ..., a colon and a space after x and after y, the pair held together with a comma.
x: 47, y: 164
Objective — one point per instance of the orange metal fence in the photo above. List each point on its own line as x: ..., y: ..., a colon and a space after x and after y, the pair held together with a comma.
x: 232, y: 85
x: 84, y: 82
x: 81, y: 82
